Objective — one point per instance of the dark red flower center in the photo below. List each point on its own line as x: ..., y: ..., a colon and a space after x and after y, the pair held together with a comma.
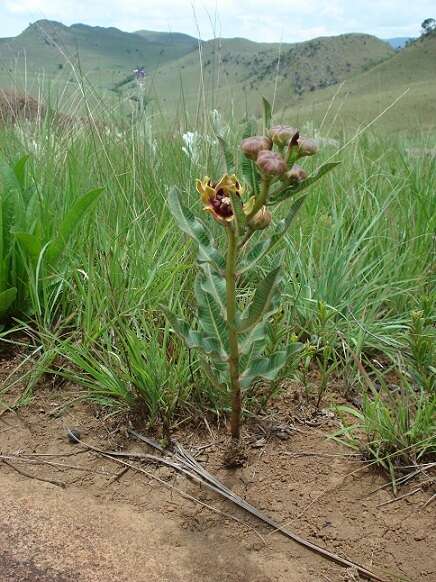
x: 222, y: 205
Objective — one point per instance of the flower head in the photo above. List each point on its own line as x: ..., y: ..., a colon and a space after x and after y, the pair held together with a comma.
x: 216, y: 196
x: 251, y: 146
x: 271, y: 163
x: 281, y: 135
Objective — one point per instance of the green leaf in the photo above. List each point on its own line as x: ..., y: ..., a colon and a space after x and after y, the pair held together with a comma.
x: 211, y: 320
x: 262, y: 300
x: 263, y: 247
x: 30, y: 243
x: 193, y: 339
x: 70, y: 221
x: 267, y: 114
x: 20, y: 170
x: 194, y: 228
x: 285, y: 193
x: 6, y: 299
x: 251, y: 176
x: 215, y: 285
x: 265, y: 368
x: 227, y: 154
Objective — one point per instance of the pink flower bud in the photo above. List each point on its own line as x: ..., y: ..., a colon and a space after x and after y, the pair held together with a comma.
x: 281, y: 135
x: 295, y: 174
x: 307, y: 147
x: 251, y: 146
x: 261, y: 219
x: 271, y: 163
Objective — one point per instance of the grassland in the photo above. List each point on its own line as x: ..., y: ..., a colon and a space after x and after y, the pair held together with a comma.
x: 360, y: 287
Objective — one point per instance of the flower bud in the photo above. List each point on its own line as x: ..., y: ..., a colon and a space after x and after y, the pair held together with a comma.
x: 295, y: 174
x: 251, y: 146
x: 281, y: 135
x: 271, y: 163
x: 261, y: 219
x: 306, y: 146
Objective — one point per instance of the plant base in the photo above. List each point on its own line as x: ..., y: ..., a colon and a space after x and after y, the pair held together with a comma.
x: 235, y: 454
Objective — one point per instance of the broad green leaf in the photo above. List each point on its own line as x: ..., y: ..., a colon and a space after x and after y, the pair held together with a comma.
x: 267, y: 114
x: 6, y: 299
x: 193, y: 339
x: 265, y: 368
x: 285, y: 193
x: 215, y: 285
x: 262, y: 300
x: 194, y: 228
x: 70, y: 221
x: 210, y: 318
x: 30, y: 243
x: 20, y: 170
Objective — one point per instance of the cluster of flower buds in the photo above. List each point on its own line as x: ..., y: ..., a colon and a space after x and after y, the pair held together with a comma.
x: 273, y: 164
x: 290, y: 147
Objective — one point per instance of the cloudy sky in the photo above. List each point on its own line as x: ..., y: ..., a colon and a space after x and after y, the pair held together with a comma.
x: 262, y: 20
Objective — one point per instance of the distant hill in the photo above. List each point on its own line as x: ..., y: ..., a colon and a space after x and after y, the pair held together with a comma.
x: 169, y: 38
x: 399, y: 42
x: 232, y: 72
x: 362, y: 98
x: 106, y: 54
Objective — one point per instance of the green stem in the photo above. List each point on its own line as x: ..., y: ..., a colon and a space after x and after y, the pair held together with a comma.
x: 262, y: 198
x: 235, y: 385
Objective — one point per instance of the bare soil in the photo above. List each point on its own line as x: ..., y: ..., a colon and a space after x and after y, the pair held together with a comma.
x: 97, y: 524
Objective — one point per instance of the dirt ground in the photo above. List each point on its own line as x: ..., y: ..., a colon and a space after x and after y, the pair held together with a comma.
x: 95, y: 523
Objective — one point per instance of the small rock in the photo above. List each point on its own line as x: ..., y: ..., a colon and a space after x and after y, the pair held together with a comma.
x: 73, y: 436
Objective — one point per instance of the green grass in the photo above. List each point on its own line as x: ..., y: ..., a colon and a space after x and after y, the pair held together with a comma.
x: 362, y: 247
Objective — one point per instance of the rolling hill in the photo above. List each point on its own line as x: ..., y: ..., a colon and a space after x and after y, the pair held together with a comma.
x: 352, y: 76
x: 236, y: 72
x: 104, y: 54
x: 409, y: 74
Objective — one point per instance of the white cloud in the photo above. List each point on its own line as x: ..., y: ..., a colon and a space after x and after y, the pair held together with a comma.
x: 263, y: 20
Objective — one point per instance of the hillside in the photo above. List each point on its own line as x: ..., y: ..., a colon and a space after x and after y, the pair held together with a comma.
x: 413, y: 69
x: 105, y: 54
x: 232, y: 72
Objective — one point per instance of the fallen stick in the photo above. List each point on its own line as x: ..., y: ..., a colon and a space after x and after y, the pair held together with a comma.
x: 196, y: 470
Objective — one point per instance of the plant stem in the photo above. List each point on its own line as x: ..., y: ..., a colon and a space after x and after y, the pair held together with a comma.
x: 235, y: 385
x: 262, y: 198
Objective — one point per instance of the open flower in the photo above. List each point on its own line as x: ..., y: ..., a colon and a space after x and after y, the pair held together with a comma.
x: 271, y: 163
x: 281, y: 135
x: 216, y: 196
x: 251, y: 146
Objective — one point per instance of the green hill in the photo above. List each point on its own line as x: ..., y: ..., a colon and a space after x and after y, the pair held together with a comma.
x: 104, y: 54
x: 233, y: 72
x: 411, y: 73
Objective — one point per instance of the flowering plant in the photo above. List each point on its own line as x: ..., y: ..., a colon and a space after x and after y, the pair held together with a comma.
x: 230, y: 336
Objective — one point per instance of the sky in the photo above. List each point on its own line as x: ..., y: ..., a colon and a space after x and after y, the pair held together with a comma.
x: 259, y: 20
